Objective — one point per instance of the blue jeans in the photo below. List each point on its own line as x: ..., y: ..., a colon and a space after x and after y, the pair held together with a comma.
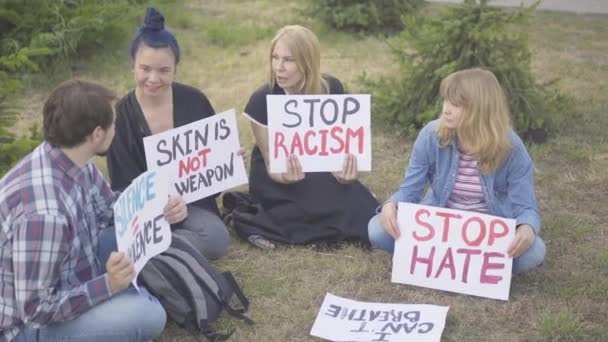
x: 529, y: 260
x: 210, y: 233
x: 126, y: 316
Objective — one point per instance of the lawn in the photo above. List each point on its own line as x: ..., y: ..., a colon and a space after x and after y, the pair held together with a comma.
x: 225, y: 50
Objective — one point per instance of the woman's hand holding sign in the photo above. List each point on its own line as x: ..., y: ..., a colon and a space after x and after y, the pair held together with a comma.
x: 524, y: 237
x: 176, y: 210
x: 294, y: 172
x: 349, y: 171
x: 388, y: 219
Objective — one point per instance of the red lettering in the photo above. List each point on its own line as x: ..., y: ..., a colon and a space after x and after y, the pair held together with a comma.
x: 350, y: 133
x: 494, y: 234
x: 427, y: 225
x: 334, y: 134
x: 446, y: 223
x: 467, y: 260
x: 309, y: 151
x: 428, y: 261
x: 296, y: 143
x: 279, y: 142
x: 484, y: 278
x: 447, y: 262
x: 482, y: 231
x: 203, y: 154
x: 323, y: 133
x: 187, y: 165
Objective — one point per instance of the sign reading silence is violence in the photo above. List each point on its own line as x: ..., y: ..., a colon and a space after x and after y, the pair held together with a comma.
x: 141, y: 229
x: 320, y: 130
x: 453, y: 250
x: 200, y: 158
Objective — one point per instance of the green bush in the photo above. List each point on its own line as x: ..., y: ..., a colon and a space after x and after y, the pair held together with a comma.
x: 468, y: 35
x: 380, y: 16
x: 35, y: 35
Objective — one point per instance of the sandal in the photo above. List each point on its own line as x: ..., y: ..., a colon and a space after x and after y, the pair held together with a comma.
x: 260, y: 242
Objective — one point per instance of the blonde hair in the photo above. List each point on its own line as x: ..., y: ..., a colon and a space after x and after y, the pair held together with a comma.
x: 484, y: 125
x: 305, y: 48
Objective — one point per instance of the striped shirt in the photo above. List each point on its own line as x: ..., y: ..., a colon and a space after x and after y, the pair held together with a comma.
x: 51, y: 212
x: 467, y: 193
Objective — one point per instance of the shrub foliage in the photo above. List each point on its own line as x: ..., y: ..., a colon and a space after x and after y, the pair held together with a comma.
x: 362, y: 15
x: 468, y: 35
x: 37, y: 34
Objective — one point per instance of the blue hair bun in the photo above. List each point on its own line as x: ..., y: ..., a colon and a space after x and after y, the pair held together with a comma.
x: 154, y: 20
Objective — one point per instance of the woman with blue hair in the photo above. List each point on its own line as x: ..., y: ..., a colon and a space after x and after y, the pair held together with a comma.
x: 157, y: 104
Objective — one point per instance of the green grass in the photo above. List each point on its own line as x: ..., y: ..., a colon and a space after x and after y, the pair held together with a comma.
x: 564, y: 300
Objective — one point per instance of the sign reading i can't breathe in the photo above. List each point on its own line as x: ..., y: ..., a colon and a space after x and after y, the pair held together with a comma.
x: 201, y: 157
x: 453, y: 250
x: 141, y: 229
x: 320, y: 130
x: 341, y: 319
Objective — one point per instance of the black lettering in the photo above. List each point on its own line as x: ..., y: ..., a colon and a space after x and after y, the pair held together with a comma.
x: 335, y: 114
x: 333, y: 310
x: 177, y: 146
x: 352, y: 111
x: 158, y: 238
x: 187, y: 137
x: 160, y: 148
x: 225, y: 129
x: 312, y: 110
x: 299, y: 118
x: 429, y: 326
x: 201, y: 138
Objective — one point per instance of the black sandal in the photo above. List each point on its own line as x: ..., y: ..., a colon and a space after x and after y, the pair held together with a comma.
x: 260, y: 242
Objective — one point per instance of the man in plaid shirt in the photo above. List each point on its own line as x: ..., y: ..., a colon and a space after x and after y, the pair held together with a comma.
x: 59, y: 275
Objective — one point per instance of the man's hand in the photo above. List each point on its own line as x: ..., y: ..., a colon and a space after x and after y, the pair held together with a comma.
x: 120, y: 271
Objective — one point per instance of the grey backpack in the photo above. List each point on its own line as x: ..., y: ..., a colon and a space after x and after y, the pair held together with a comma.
x: 190, y: 289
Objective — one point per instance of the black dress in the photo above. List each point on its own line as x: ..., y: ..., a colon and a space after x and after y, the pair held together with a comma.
x: 316, y: 209
x: 127, y: 157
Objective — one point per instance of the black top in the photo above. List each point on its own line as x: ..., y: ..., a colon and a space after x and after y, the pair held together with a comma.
x: 127, y: 157
x: 317, y: 208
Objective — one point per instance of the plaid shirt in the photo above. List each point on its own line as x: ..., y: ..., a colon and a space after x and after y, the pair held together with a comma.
x: 51, y: 212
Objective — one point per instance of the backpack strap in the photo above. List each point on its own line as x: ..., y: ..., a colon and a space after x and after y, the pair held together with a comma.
x: 189, y: 286
x: 191, y: 257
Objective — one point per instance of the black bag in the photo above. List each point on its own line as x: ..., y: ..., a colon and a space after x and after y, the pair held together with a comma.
x: 243, y: 213
x: 190, y: 289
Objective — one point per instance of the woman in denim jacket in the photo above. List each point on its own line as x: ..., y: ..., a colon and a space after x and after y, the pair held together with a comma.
x: 472, y: 160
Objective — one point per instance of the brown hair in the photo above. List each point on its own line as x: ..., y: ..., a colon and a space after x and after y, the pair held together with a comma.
x: 74, y: 109
x: 485, y: 121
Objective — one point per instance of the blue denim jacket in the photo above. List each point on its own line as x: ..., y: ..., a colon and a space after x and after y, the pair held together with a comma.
x: 509, y: 191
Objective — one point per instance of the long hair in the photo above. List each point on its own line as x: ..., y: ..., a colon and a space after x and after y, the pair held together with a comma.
x: 485, y: 121
x: 305, y: 48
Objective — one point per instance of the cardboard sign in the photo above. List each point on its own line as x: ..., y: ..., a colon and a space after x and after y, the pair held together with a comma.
x: 453, y: 250
x: 201, y: 157
x: 320, y: 130
x: 342, y: 319
x: 141, y: 229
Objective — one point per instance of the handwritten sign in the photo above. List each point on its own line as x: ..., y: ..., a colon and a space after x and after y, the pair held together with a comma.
x: 320, y: 130
x: 453, y: 250
x: 341, y: 319
x: 201, y: 157
x: 141, y: 229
